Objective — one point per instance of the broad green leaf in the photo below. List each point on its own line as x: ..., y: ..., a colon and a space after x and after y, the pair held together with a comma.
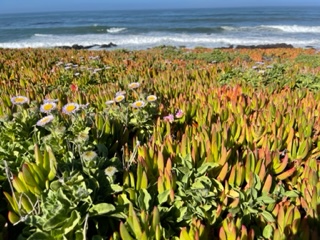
x: 55, y: 221
x: 291, y: 194
x: 116, y: 188
x: 197, y: 185
x: 163, y: 197
x: 101, y: 209
x: 267, y: 232
x: 144, y: 199
x: 40, y: 235
x: 182, y: 214
x: 267, y: 216
x: 265, y: 199
x: 205, y: 167
x: 73, y: 220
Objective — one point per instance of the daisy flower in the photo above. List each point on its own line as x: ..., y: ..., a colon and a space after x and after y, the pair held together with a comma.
x: 119, y: 98
x: 138, y: 104
x: 48, y: 107
x: 45, y: 120
x: 70, y: 108
x: 19, y: 100
x: 151, y: 98
x: 60, y: 130
x: 120, y: 93
x: 134, y: 85
x: 89, y: 155
x: 84, y: 106
x: 110, y: 102
x: 110, y: 171
x: 50, y: 100
x: 82, y: 137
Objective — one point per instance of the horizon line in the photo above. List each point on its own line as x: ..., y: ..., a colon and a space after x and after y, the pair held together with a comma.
x: 152, y: 9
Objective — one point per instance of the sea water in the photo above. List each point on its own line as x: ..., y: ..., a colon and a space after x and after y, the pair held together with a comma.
x: 141, y: 29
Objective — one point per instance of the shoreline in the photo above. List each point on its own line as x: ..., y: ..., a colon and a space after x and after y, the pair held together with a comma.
x: 113, y: 46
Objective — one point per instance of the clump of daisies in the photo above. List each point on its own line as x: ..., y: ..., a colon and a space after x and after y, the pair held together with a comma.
x: 63, y: 126
x: 132, y: 107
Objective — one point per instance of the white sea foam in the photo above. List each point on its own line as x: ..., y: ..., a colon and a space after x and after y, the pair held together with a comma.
x: 42, y: 35
x: 284, y: 28
x: 296, y: 28
x: 143, y: 41
x: 115, y: 30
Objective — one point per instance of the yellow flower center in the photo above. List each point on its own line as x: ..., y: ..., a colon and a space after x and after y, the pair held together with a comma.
x: 20, y: 99
x: 151, y: 98
x: 119, y: 98
x: 70, y: 108
x: 139, y: 104
x: 48, y: 106
x: 134, y: 85
x: 44, y: 119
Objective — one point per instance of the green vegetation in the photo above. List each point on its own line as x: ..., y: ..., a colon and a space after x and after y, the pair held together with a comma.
x: 167, y: 143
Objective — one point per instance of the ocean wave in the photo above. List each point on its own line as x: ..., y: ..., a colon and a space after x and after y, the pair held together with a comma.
x: 282, y: 28
x: 42, y: 35
x: 45, y: 23
x: 295, y: 28
x: 115, y: 30
x: 143, y: 41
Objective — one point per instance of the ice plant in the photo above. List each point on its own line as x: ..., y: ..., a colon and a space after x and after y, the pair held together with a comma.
x: 45, y: 120
x: 70, y: 108
x: 138, y: 104
x: 19, y: 100
x: 151, y: 98
x: 110, y: 171
x: 119, y: 98
x: 89, y: 155
x: 179, y: 114
x: 169, y: 118
x: 48, y: 107
x: 134, y: 85
x: 73, y: 87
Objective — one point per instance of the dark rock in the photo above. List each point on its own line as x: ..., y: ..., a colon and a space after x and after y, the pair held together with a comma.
x: 64, y: 47
x: 76, y: 46
x: 265, y: 46
x: 228, y: 47
x: 108, y: 45
x: 90, y: 46
x: 79, y: 47
x: 311, y: 47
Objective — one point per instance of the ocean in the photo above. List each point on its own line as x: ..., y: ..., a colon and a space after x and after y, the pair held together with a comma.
x: 142, y: 29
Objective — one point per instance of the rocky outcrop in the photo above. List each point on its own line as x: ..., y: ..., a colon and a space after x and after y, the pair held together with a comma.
x: 95, y: 46
x: 265, y: 46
